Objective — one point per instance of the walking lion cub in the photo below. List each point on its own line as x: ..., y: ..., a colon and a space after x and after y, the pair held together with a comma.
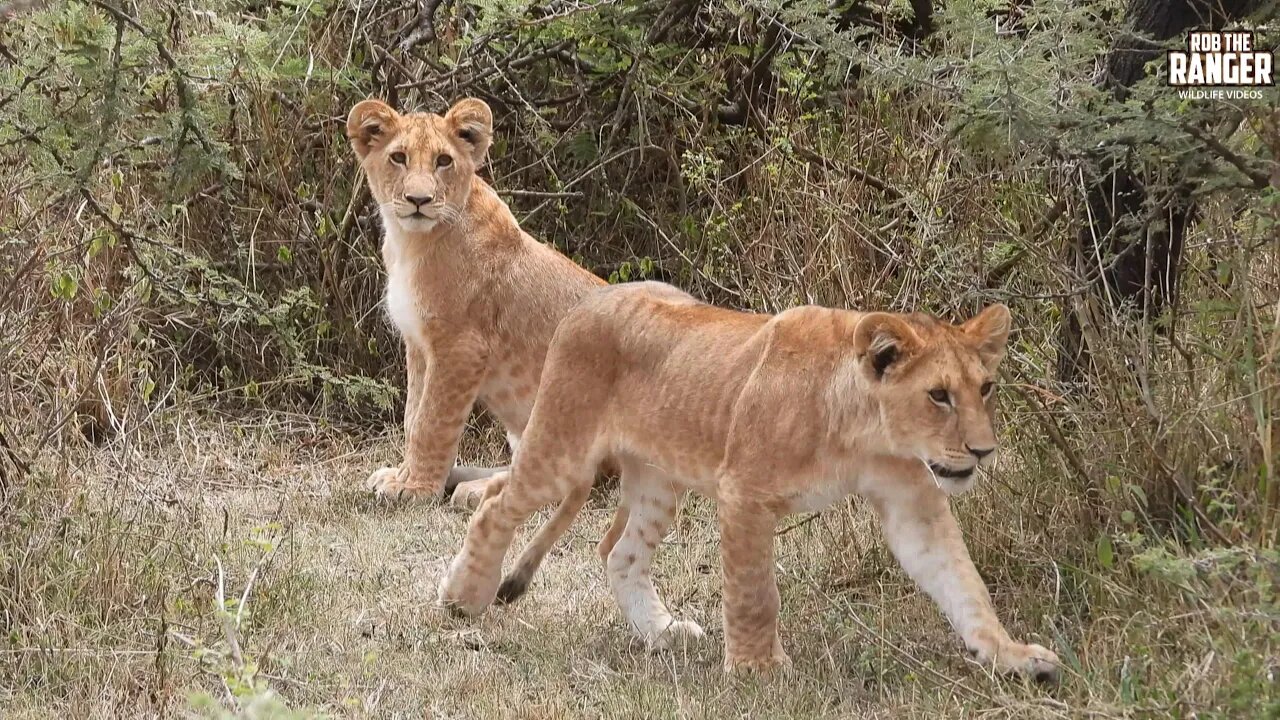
x: 769, y: 415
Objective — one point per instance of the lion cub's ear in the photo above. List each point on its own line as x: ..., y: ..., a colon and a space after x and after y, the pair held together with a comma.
x: 370, y: 124
x: 989, y: 330
x: 471, y: 121
x: 881, y: 340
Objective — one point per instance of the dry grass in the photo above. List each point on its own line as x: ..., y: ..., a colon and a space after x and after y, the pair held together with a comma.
x: 114, y: 597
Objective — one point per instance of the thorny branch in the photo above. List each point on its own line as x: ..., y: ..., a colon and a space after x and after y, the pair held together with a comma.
x: 186, y: 95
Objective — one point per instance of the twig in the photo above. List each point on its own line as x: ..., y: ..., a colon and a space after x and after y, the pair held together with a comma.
x: 1258, y: 177
x: 1001, y: 271
x: 111, y: 111
x: 186, y: 96
x: 248, y: 586
x: 696, y: 266
x: 1055, y: 436
x: 12, y: 455
x: 229, y: 623
x: 797, y: 524
x: 539, y: 194
x: 866, y: 177
x: 37, y: 254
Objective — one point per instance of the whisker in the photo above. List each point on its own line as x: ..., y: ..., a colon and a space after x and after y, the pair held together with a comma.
x: 932, y: 474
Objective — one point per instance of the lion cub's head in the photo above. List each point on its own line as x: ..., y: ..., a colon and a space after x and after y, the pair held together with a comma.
x: 420, y: 165
x: 935, y: 387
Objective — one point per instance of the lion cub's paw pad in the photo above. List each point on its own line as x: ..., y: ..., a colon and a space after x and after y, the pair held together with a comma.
x: 1016, y: 660
x: 513, y: 587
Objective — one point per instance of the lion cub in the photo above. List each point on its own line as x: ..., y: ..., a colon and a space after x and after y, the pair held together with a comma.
x: 475, y: 298
x: 769, y: 415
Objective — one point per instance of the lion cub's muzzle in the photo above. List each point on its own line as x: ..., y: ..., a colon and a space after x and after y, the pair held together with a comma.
x: 427, y: 211
x: 958, y: 467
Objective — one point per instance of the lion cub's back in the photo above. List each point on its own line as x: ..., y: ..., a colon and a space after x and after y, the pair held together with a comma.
x: 657, y: 371
x: 648, y: 324
x: 654, y: 342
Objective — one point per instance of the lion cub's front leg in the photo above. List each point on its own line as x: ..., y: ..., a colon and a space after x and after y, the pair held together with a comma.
x: 924, y: 536
x: 471, y: 582
x: 436, y: 420
x: 751, y: 600
x: 415, y: 375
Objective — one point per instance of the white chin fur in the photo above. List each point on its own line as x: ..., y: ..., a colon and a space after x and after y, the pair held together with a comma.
x: 416, y: 225
x: 958, y: 487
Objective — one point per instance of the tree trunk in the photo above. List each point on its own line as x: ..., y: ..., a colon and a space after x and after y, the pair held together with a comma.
x: 1129, y: 244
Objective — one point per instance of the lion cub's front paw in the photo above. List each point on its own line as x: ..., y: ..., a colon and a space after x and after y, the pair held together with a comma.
x: 1038, y: 663
x: 777, y: 661
x: 391, y: 483
x: 680, y: 634
x: 1032, y: 661
x: 467, y: 591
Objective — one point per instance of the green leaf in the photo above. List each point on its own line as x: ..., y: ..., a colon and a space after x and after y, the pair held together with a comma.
x: 1106, y: 554
x: 65, y: 286
x: 1138, y: 493
x: 582, y: 148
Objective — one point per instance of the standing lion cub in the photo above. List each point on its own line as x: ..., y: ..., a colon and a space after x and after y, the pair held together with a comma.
x: 769, y: 415
x: 475, y: 298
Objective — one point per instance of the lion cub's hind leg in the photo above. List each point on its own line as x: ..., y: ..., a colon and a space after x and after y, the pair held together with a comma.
x: 517, y: 581
x: 651, y: 500
x: 611, y: 535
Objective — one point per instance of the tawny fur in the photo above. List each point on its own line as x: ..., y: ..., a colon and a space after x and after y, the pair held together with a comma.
x: 769, y: 415
x: 475, y: 298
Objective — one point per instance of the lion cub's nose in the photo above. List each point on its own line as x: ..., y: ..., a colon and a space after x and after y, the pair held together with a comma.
x: 419, y: 199
x: 980, y: 452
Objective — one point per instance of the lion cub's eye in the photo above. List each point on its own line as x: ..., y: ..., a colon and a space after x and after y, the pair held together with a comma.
x: 399, y: 158
x: 940, y: 396
x: 987, y: 387
x: 444, y: 161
